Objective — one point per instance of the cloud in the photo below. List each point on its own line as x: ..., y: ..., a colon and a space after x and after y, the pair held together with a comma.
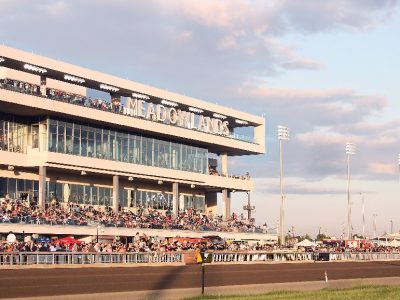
x: 383, y: 168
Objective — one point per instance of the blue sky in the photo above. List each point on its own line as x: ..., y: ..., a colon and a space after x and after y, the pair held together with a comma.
x: 326, y: 69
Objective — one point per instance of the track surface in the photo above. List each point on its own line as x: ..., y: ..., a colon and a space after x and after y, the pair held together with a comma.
x: 47, y: 282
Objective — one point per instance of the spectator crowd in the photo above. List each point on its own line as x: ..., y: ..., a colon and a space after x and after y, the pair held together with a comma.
x: 25, y: 211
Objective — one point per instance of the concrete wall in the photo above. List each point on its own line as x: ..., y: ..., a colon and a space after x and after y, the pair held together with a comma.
x: 67, y: 87
x: 18, y: 75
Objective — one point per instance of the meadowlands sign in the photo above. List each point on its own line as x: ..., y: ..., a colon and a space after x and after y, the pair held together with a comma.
x: 177, y: 117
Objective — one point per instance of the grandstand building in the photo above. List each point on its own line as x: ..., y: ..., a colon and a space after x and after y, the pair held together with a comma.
x: 131, y: 146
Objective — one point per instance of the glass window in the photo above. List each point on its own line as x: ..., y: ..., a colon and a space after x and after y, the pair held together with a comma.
x: 53, y: 136
x: 106, y: 144
x: 88, y: 141
x: 77, y: 140
x: 91, y: 149
x: 99, y: 143
x: 69, y: 142
x: 61, y: 137
x: 3, y: 187
x: 125, y: 148
x: 84, y: 141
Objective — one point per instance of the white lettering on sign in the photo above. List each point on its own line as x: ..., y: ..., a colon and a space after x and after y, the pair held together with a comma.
x: 177, y: 117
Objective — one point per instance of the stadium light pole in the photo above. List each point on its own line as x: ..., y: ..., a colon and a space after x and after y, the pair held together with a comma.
x: 283, y: 134
x: 363, y: 215
x: 374, y: 215
x: 350, y: 150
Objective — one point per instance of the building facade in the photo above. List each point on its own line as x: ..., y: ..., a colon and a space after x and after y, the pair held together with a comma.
x: 133, y: 147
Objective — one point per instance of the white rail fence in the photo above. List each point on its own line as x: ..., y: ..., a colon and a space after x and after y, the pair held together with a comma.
x: 74, y: 258
x: 222, y: 257
x: 69, y: 258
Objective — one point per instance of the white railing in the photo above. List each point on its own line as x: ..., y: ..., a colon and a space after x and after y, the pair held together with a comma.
x: 299, y: 256
x: 69, y: 258
x: 260, y: 256
x: 359, y: 256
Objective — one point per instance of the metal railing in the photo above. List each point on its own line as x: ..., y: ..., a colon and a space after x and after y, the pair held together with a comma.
x: 299, y: 256
x: 88, y: 102
x: 362, y: 256
x: 73, y: 258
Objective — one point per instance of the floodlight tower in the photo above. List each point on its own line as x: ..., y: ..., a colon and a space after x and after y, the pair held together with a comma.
x: 363, y: 215
x: 283, y: 134
x: 350, y: 150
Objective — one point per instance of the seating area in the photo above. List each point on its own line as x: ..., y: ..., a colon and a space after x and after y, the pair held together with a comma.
x: 25, y: 211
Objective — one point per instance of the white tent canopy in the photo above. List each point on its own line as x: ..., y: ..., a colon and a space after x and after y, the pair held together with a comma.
x: 305, y: 243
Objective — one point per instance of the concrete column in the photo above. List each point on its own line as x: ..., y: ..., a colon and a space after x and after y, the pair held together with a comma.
x: 42, y: 187
x: 66, y: 192
x: 224, y: 163
x: 226, y: 200
x: 116, y: 193
x: 175, y: 199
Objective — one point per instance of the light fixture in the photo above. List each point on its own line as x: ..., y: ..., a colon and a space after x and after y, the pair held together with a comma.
x: 192, y: 186
x: 2, y: 59
x: 109, y: 87
x: 34, y: 68
x: 350, y: 148
x: 195, y: 110
x: 140, y: 96
x: 283, y: 133
x: 130, y: 178
x: 10, y: 168
x: 160, y: 182
x: 219, y: 116
x: 169, y: 103
x: 73, y: 78
x: 241, y: 122
x: 83, y: 173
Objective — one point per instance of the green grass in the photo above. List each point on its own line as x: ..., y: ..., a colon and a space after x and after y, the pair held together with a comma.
x: 362, y: 292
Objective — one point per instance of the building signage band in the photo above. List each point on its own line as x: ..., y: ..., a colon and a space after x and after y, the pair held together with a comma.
x: 177, y: 117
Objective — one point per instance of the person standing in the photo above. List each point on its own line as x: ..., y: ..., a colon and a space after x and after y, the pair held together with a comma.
x: 11, y: 238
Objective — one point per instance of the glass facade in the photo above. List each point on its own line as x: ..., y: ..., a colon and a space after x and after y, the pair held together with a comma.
x: 89, y: 141
x: 91, y: 195
x: 15, y: 187
x: 147, y: 199
x: 94, y: 195
x: 13, y: 135
x: 196, y: 202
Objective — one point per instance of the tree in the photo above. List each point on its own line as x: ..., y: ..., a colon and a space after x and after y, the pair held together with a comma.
x: 321, y: 236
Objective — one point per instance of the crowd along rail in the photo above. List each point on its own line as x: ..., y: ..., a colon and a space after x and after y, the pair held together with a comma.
x: 84, y: 258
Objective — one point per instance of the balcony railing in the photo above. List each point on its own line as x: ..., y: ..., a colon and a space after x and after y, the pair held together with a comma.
x: 95, y: 103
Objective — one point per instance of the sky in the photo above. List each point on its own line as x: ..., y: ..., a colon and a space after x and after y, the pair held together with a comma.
x: 326, y: 69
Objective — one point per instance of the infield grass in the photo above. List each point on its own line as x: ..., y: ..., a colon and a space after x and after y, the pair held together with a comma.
x: 363, y: 292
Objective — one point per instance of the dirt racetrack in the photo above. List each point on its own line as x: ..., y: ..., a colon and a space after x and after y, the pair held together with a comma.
x: 47, y: 282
